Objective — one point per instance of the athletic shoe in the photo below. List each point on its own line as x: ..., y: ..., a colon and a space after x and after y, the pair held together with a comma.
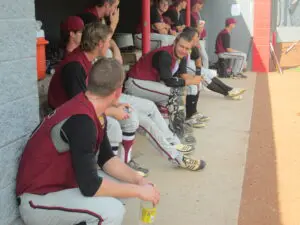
x: 188, y: 139
x: 192, y: 164
x: 236, y: 92
x: 239, y: 97
x: 195, y: 123
x: 188, y: 129
x: 140, y: 170
x: 240, y: 75
x: 200, y: 117
x: 184, y: 149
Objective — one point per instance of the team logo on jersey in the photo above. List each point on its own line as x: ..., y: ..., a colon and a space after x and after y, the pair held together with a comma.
x: 102, y: 121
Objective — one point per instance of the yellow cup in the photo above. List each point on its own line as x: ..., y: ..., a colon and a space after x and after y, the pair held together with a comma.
x: 148, y: 213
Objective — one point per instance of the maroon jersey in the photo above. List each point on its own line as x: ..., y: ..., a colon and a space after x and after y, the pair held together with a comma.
x: 219, y: 42
x: 57, y: 94
x: 43, y: 168
x: 143, y: 69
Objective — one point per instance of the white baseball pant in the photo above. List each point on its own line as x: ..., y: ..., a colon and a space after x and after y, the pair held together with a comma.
x: 154, y: 125
x: 71, y: 207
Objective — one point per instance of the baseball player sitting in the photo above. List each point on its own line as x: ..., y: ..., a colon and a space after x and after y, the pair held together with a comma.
x: 70, y: 32
x: 161, y: 76
x: 58, y: 181
x: 210, y: 80
x: 71, y: 77
x: 238, y: 59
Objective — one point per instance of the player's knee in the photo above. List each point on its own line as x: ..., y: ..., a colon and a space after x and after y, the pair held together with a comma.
x: 116, y: 213
x: 114, y: 131
x: 134, y: 121
x: 131, y: 124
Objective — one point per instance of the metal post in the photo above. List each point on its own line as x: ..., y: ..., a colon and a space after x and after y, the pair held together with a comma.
x: 146, y: 26
x: 188, y: 13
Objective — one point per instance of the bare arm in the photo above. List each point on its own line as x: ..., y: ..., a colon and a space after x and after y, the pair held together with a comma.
x: 119, y: 170
x: 116, y: 51
x: 117, y: 112
x: 135, y: 186
x: 161, y: 28
x: 231, y: 50
x: 114, y: 19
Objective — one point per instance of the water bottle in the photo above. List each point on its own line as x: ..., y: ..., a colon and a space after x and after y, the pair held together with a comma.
x: 147, y: 213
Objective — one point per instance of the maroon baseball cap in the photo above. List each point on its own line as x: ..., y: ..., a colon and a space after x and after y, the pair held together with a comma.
x: 72, y: 23
x: 230, y: 21
x: 194, y: 2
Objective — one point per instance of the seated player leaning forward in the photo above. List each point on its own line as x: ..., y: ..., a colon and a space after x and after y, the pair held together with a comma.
x: 58, y: 181
x: 161, y: 76
x: 224, y: 50
x: 210, y: 80
x: 70, y: 79
x: 161, y: 32
x: 148, y: 115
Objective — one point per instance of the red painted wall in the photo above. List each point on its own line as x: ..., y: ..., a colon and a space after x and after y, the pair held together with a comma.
x: 261, y: 39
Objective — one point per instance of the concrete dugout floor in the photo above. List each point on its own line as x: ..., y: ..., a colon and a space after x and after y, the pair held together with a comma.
x: 212, y: 196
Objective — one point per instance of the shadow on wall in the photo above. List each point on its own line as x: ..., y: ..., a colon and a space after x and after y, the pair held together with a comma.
x: 215, y: 12
x: 259, y: 202
x: 52, y: 12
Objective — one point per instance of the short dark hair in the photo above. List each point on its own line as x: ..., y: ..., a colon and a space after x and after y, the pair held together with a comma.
x: 187, y: 34
x: 106, y: 76
x: 92, y: 34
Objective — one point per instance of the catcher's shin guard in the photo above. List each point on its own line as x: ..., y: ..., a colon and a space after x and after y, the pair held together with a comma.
x: 176, y: 108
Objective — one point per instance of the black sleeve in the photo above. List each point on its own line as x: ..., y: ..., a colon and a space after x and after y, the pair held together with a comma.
x: 193, y: 22
x: 162, y: 61
x: 182, y: 18
x: 88, y: 17
x: 195, y: 53
x: 106, y: 152
x: 226, y: 40
x: 73, y: 79
x: 154, y: 16
x: 80, y: 133
x: 182, y: 67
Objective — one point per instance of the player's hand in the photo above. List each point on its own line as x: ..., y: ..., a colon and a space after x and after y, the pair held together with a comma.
x: 114, y: 16
x: 121, y: 113
x: 125, y: 105
x: 173, y: 32
x: 149, y: 193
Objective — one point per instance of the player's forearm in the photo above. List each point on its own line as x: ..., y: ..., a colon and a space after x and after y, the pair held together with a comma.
x: 113, y: 27
x: 114, y: 47
x: 231, y: 50
x: 118, y: 190
x: 119, y: 170
x: 186, y: 76
x: 198, y: 62
x: 110, y: 111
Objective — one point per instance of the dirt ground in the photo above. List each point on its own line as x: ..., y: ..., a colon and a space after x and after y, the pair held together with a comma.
x: 271, y: 189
